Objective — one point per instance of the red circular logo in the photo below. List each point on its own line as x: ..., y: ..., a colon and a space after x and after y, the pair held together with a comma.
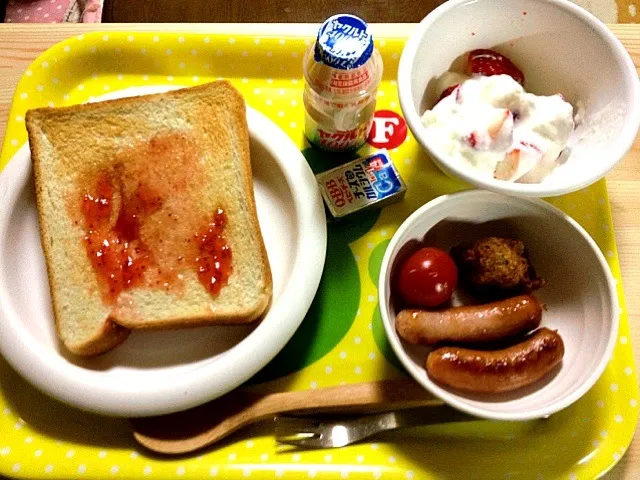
x: 388, y: 130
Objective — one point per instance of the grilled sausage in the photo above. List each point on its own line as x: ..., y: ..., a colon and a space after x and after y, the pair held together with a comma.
x: 470, y: 324
x: 499, y: 370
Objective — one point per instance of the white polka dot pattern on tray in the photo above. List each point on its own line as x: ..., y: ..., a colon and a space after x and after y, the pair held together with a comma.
x: 192, y: 59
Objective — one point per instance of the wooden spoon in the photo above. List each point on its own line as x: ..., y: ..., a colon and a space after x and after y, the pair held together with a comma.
x: 193, y: 429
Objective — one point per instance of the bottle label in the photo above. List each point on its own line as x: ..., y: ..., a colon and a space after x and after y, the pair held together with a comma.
x: 334, y: 140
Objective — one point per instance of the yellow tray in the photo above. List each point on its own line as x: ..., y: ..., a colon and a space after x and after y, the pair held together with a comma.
x: 341, y: 339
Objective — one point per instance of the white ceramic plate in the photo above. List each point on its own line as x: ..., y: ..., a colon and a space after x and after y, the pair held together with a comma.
x: 580, y: 297
x: 154, y: 373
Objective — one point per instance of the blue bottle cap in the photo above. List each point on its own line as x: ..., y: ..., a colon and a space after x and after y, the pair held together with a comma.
x: 343, y: 42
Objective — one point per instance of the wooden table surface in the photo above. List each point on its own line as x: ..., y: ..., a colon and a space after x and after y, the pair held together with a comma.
x: 20, y: 44
x: 267, y: 11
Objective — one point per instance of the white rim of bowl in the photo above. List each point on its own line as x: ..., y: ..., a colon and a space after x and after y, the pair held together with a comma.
x: 80, y: 388
x: 622, y: 144
x: 453, y: 400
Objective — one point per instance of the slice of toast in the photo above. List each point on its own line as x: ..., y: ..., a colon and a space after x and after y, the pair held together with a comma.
x: 147, y: 214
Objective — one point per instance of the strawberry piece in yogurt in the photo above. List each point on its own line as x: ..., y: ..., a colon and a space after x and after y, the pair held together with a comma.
x: 448, y: 91
x: 486, y: 62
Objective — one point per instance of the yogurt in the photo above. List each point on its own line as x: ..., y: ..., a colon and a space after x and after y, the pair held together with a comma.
x: 493, y: 125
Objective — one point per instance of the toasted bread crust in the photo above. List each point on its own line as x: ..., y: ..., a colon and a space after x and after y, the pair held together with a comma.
x: 111, y: 335
x: 240, y: 317
x: 34, y: 145
x: 115, y: 328
x: 241, y: 117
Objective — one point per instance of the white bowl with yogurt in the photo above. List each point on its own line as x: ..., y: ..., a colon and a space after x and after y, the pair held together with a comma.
x: 561, y: 49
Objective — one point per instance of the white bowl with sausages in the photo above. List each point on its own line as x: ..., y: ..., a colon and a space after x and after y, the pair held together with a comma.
x: 579, y: 300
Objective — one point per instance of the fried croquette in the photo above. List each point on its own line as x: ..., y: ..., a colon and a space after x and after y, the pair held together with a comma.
x: 496, y: 266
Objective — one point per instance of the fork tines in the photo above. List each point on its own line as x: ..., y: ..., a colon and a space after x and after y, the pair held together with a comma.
x: 297, y: 431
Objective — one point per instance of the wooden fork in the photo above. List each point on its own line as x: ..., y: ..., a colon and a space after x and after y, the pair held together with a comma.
x: 193, y: 429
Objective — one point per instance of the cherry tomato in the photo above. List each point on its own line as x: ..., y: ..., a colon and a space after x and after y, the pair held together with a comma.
x: 427, y: 278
